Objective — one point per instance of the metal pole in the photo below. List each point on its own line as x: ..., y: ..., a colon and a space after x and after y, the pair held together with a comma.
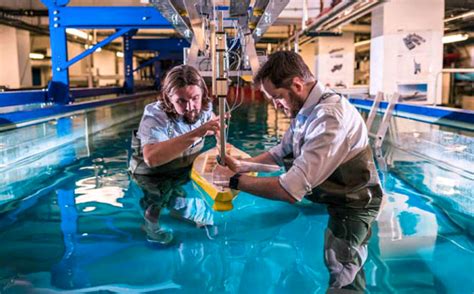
x: 221, y: 81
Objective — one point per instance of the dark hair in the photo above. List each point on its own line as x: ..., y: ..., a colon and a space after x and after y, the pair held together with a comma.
x: 281, y: 67
x: 179, y: 77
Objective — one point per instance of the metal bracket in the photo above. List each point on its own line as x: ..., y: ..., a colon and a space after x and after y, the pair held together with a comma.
x: 91, y: 50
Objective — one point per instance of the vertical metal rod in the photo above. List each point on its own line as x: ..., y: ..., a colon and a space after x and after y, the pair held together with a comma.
x: 221, y: 82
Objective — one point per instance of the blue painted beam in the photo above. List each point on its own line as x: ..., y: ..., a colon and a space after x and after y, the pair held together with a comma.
x: 93, y: 92
x: 12, y: 98
x: 58, y: 88
x: 147, y: 63
x: 101, y: 44
x: 411, y: 110
x: 14, y: 118
x: 110, y: 17
x: 174, y: 44
x: 128, y: 62
x: 171, y: 56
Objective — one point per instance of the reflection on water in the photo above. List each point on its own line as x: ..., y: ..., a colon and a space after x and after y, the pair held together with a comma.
x: 81, y: 229
x: 169, y: 191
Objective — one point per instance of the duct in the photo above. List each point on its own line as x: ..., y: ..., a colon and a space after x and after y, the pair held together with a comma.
x: 334, y: 12
x: 171, y: 14
x: 197, y: 24
x: 357, y: 11
x: 251, y: 53
x: 272, y: 10
x: 333, y: 18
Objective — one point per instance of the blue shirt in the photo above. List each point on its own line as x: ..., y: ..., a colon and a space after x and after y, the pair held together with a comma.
x: 156, y: 126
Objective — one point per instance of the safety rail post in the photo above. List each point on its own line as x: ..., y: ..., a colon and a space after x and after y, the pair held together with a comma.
x: 383, y: 127
x: 373, y: 110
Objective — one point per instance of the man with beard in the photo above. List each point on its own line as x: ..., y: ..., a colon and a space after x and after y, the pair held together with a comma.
x: 170, y: 135
x: 171, y: 130
x: 328, y: 159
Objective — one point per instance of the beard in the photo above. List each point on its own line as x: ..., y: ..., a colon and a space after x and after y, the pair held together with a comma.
x: 191, y: 117
x: 295, y: 105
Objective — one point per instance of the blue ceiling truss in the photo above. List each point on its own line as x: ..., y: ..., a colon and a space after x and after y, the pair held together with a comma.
x: 125, y: 20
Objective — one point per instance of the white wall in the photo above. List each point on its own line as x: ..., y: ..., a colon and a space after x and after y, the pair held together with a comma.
x: 332, y: 53
x: 391, y: 62
x: 104, y: 62
x: 15, y: 66
x: 308, y: 53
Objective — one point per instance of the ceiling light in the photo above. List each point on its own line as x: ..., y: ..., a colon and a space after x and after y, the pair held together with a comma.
x: 119, y: 54
x: 455, y: 38
x: 79, y: 33
x: 464, y: 16
x: 36, y: 56
x: 362, y: 43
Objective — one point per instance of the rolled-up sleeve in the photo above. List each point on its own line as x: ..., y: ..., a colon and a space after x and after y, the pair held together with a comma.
x: 325, y: 147
x: 285, y: 147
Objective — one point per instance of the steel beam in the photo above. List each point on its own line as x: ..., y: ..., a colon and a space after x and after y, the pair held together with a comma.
x: 101, y: 44
x: 110, y: 17
x: 158, y: 44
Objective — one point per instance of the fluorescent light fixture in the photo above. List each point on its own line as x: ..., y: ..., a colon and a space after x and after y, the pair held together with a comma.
x: 119, y: 54
x: 90, y: 46
x: 455, y: 38
x: 463, y: 16
x: 362, y: 43
x: 79, y: 33
x: 36, y: 56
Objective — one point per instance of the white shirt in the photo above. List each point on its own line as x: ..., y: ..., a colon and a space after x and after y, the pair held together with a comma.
x: 325, y: 133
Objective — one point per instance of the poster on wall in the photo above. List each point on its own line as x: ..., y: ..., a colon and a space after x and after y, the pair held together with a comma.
x: 415, y: 64
x: 335, y: 66
x: 413, y: 92
x: 414, y: 56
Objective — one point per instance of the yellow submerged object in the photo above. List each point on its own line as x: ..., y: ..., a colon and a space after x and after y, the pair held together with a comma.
x: 203, y: 167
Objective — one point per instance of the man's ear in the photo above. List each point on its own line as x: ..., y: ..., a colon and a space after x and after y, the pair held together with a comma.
x: 297, y: 85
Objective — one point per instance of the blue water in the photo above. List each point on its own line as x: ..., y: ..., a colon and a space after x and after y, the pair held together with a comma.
x: 78, y: 226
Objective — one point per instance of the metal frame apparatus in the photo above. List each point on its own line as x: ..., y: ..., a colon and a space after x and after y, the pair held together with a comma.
x: 125, y: 19
x: 170, y: 49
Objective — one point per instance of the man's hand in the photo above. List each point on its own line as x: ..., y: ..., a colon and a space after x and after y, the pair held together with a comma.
x: 209, y: 128
x: 242, y: 166
x: 221, y: 175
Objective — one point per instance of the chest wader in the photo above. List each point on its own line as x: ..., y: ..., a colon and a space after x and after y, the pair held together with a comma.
x: 137, y: 165
x: 353, y: 196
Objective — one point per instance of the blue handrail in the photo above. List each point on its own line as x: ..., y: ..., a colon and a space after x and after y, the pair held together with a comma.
x: 433, y: 112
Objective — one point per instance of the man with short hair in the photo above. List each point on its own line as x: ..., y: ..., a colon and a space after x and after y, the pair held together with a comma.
x: 331, y: 163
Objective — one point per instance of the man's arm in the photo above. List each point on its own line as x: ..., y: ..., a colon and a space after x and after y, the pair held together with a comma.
x: 156, y: 154
x: 265, y: 187
x: 261, y: 163
x: 268, y: 188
